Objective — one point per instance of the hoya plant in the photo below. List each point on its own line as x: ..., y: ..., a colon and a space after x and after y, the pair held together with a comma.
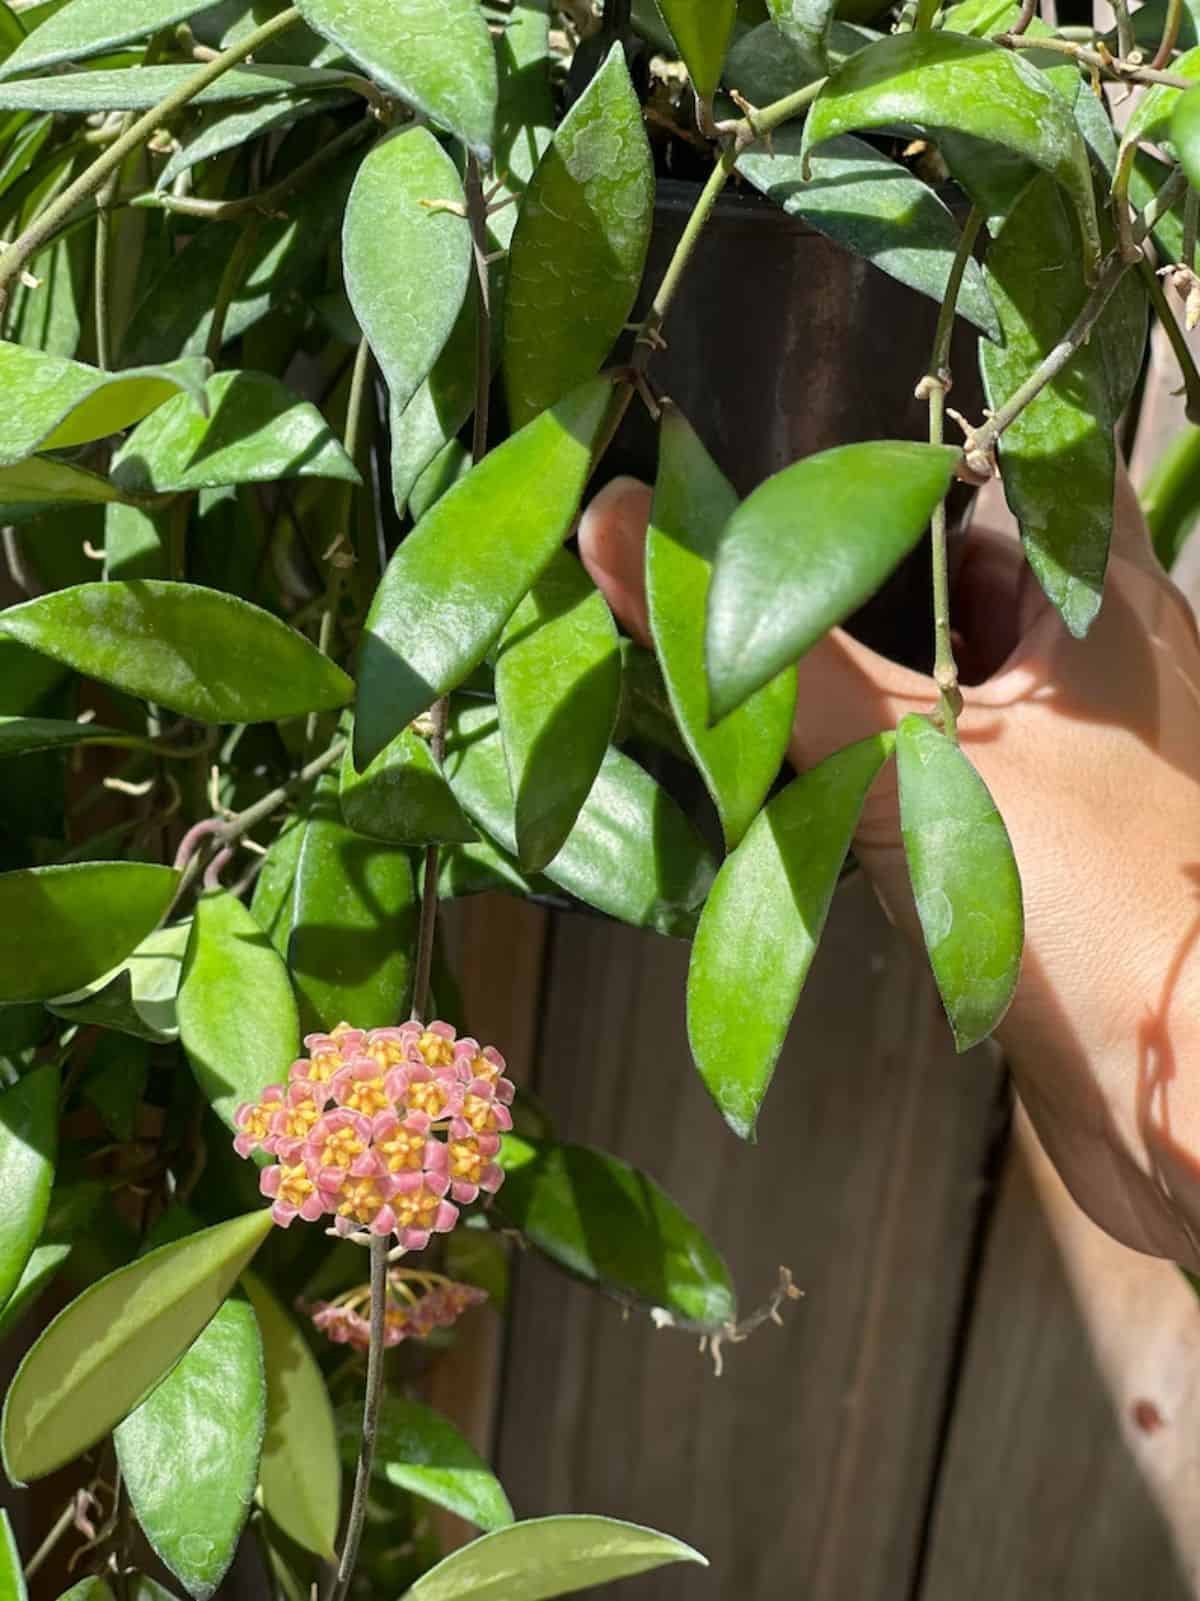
x: 318, y: 324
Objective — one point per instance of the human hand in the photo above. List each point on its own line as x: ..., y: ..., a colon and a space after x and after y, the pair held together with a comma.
x: 1091, y: 750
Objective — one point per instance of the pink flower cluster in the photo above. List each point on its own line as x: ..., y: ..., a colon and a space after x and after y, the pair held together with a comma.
x: 407, y: 1316
x: 382, y: 1131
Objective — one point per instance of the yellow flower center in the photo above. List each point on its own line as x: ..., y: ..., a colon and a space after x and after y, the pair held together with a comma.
x: 436, y: 1049
x: 480, y: 1114
x: 418, y: 1209
x: 361, y: 1200
x: 300, y: 1119
x: 341, y: 1147
x: 295, y: 1186
x: 428, y: 1095
x: 466, y: 1160
x: 403, y: 1150
x: 366, y: 1095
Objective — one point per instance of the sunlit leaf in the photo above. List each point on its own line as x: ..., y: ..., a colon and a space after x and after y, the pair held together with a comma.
x: 39, y: 481
x: 123, y: 90
x: 89, y: 27
x: 230, y: 130
x: 403, y: 797
x: 28, y: 1146
x: 12, y: 1575
x: 702, y: 30
x: 138, y: 995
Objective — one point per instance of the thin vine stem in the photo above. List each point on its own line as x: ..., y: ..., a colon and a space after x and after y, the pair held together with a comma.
x: 1110, y: 66
x: 13, y: 261
x: 266, y: 201
x: 1176, y: 338
x: 372, y: 1402
x: 1170, y: 34
x: 232, y: 279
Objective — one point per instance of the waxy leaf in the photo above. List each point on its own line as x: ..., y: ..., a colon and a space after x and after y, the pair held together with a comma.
x: 72, y: 1207
x: 90, y: 27
x: 806, y: 22
x: 28, y: 1145
x: 481, y: 867
x: 964, y: 879
x: 970, y: 86
x: 403, y: 797
x: 558, y: 687
x: 105, y: 1352
x: 126, y: 90
x: 579, y: 247
x: 1058, y: 458
x: 1185, y: 135
x: 407, y: 316
x: 610, y: 1224
x: 458, y: 577
x: 42, y: 482
x: 237, y: 1014
x: 436, y: 54
x: 138, y: 996
x: 869, y: 204
x: 12, y: 1574
x: 545, y: 1557
x: 354, y: 923
x: 1152, y: 115
x: 191, y: 649
x: 420, y: 1451
x: 300, y: 1474
x: 189, y: 1454
x: 632, y: 852
x: 61, y: 927
x: 230, y: 130
x: 273, y: 901
x: 807, y: 548
x: 256, y: 432
x: 88, y: 1590
x: 53, y: 404
x: 763, y: 922
x: 439, y: 408
x: 702, y: 30
x: 740, y: 758
x: 22, y: 736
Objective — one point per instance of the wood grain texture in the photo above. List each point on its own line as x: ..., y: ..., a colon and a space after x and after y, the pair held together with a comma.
x: 805, y: 1468
x: 1073, y: 1464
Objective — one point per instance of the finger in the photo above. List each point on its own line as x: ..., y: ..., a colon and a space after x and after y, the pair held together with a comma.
x: 612, y: 544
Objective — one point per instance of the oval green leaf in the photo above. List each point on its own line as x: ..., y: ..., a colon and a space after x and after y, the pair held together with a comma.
x: 804, y: 22
x: 354, y: 923
x: 300, y: 1475
x: 12, y: 1574
x: 88, y: 28
x: 256, y: 432
x: 420, y: 1451
x: 702, y: 30
x: 22, y: 736
x: 632, y: 852
x: 88, y: 1590
x: 807, y: 548
x: 390, y: 217
x: 273, y: 901
x: 964, y: 878
x: 43, y: 482
x: 1185, y: 135
x: 230, y: 130
x: 105, y: 1352
x: 458, y: 577
x: 123, y: 89
x: 237, y: 1014
x: 436, y: 54
x: 189, y: 1454
x: 193, y: 650
x: 972, y: 87
x: 610, y: 1224
x: 558, y: 687
x: 28, y: 1145
x: 403, y: 797
x: 740, y: 758
x: 579, y: 246
x: 72, y: 1207
x: 547, y: 1557
x: 61, y: 927
x: 432, y: 418
x: 138, y: 996
x: 763, y: 922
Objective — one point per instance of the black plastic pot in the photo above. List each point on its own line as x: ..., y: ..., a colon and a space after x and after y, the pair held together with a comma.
x: 780, y: 344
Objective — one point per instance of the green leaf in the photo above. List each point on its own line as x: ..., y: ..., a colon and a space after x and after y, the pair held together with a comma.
x: 108, y: 1349
x: 632, y: 852
x: 1170, y: 497
x: 420, y: 1451
x: 256, y: 432
x: 964, y: 878
x: 807, y: 548
x: 139, y: 89
x: 207, y: 655
x: 189, y: 1454
x: 354, y: 923
x: 115, y: 1084
x: 72, y: 1207
x: 89, y: 28
x: 480, y: 868
x: 458, y: 577
x: 435, y: 54
x: 806, y: 22
x: 22, y: 736
x: 1185, y: 135
x: 42, y: 482
x: 273, y: 900
x: 54, y: 404
x: 407, y: 316
x: 12, y: 1574
x: 972, y: 87
x: 138, y: 995
x: 611, y: 1224
x: 403, y: 797
x: 231, y: 130
x: 439, y: 408
x: 237, y: 1014
x: 28, y: 1145
x: 763, y: 922
x: 88, y: 1590
x: 702, y: 30
x: 300, y: 1474
x: 1153, y: 113
x: 1058, y: 458
x: 61, y: 927
x: 558, y: 687
x: 740, y: 758
x: 547, y: 1557
x: 869, y: 204
x: 579, y: 246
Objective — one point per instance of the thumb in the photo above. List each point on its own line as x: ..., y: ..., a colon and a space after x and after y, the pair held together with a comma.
x: 846, y: 690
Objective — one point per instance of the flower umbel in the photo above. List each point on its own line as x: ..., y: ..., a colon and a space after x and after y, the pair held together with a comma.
x: 383, y: 1132
x: 417, y: 1304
